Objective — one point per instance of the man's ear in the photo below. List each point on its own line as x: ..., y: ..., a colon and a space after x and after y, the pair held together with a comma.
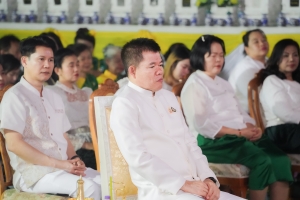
x: 57, y: 70
x: 132, y: 71
x: 24, y: 60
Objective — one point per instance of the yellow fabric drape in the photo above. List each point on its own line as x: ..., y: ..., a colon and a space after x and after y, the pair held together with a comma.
x: 163, y: 39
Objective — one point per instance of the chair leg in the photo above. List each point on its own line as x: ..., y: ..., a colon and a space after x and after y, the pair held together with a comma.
x: 240, y: 191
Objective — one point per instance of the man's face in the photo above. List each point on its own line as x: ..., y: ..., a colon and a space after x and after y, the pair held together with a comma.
x: 149, y: 73
x: 39, y: 65
x: 14, y: 50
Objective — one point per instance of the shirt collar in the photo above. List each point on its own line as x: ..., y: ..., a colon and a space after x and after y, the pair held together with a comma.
x: 30, y: 87
x: 65, y: 88
x: 110, y: 75
x: 140, y: 90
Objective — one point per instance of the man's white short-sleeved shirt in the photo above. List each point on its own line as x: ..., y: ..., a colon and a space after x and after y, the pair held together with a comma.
x: 41, y: 120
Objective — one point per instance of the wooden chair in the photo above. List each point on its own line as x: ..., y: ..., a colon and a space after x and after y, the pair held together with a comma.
x: 108, y: 88
x: 255, y: 112
x: 115, y: 176
x: 233, y: 176
x: 253, y: 101
x: 4, y: 90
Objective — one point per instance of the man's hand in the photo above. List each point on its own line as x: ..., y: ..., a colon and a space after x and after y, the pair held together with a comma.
x: 195, y: 187
x: 75, y: 166
x: 213, y: 190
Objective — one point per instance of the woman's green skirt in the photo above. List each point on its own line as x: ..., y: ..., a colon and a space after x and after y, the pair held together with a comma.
x: 267, y: 163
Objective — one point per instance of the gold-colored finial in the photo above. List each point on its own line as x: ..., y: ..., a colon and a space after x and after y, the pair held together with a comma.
x: 80, y: 189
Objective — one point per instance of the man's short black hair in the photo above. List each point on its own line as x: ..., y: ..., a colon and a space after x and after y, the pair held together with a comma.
x: 60, y: 55
x: 5, y: 42
x: 55, y: 38
x: 201, y: 47
x: 28, y: 45
x: 9, y: 63
x: 132, y: 52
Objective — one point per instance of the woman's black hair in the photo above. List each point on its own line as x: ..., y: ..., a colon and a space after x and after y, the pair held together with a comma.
x: 272, y: 66
x: 60, y: 55
x: 54, y: 37
x: 201, y: 47
x: 9, y: 63
x: 172, y: 48
x: 247, y: 35
x: 83, y: 34
x: 78, y: 48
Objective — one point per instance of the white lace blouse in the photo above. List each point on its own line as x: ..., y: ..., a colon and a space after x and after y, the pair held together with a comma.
x: 76, y: 103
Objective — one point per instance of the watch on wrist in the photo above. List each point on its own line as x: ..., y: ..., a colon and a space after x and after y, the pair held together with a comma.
x: 212, y: 179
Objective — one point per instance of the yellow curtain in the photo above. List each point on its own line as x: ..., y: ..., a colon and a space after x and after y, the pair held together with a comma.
x: 163, y: 39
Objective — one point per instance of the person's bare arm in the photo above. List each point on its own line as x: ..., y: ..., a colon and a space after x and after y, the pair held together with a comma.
x: 16, y: 144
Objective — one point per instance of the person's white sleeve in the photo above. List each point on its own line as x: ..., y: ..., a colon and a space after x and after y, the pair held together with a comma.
x: 13, y: 113
x: 124, y: 123
x: 203, y: 169
x: 196, y: 107
x: 280, y: 101
x: 246, y: 116
x: 243, y: 80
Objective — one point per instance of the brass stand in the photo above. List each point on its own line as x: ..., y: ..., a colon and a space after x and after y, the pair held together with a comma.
x: 80, y: 191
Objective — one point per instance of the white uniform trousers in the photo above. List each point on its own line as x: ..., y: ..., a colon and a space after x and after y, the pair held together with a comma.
x: 223, y: 196
x: 62, y: 182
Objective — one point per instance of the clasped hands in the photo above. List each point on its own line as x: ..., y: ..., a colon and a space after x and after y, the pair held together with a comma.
x: 75, y: 166
x: 207, y: 189
x: 252, y: 132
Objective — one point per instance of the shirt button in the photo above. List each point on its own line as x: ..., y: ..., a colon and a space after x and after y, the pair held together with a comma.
x: 59, y: 148
x: 48, y: 117
x: 51, y: 134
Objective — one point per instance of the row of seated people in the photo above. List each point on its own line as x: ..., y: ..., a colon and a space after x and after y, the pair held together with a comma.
x: 197, y: 106
x: 33, y: 121
x: 92, y: 70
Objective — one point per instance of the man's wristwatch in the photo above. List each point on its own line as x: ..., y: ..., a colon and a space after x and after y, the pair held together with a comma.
x: 212, y: 179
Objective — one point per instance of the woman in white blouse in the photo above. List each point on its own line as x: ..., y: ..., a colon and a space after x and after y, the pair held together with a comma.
x: 225, y: 133
x: 76, y: 104
x: 280, y: 96
x: 177, y: 67
x: 256, y: 48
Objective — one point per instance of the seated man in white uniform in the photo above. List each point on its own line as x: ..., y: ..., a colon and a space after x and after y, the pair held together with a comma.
x: 164, y: 159
x: 34, y: 125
